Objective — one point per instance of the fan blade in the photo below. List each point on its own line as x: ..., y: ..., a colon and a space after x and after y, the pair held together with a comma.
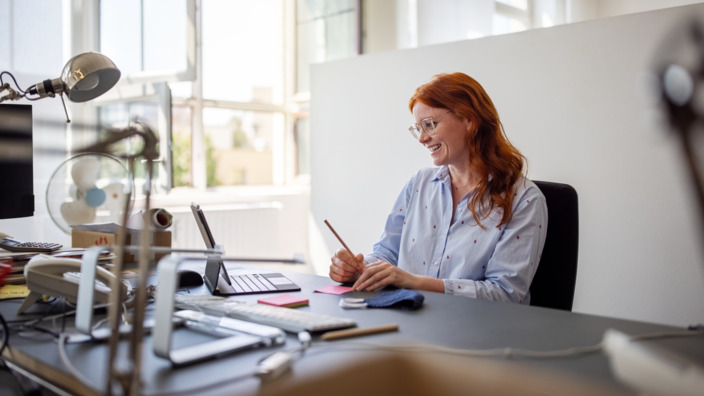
x: 86, y: 172
x: 74, y: 192
x: 77, y: 213
x: 115, y: 197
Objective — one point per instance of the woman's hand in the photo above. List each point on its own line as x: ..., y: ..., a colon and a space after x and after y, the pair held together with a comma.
x: 381, y: 273
x: 344, y: 267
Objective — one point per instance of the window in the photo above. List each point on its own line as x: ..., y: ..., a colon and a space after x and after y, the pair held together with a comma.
x: 302, y: 139
x: 517, y: 15
x: 149, y: 40
x: 152, y: 106
x: 238, y: 70
x: 430, y: 22
x: 243, y: 53
x: 151, y: 43
x: 243, y: 94
x: 30, y: 54
x: 182, y: 119
x: 520, y: 4
x: 325, y: 30
x: 240, y: 143
x: 239, y: 88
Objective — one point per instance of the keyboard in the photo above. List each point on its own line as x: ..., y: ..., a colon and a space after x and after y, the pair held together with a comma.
x: 288, y: 319
x: 255, y: 284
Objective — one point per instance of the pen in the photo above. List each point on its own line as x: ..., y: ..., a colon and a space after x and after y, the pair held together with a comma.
x: 336, y: 335
x: 344, y: 244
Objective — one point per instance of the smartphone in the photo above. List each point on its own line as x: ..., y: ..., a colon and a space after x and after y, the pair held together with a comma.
x: 14, y: 245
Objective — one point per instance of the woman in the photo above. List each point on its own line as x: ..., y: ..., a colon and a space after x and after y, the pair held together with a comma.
x: 474, y: 225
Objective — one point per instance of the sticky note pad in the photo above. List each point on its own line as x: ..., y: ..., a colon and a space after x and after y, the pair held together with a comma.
x: 334, y: 289
x: 284, y: 300
x: 13, y: 291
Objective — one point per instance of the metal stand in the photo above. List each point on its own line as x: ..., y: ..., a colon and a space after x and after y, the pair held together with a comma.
x: 127, y: 376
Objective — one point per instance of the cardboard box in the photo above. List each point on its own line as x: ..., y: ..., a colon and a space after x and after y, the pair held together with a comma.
x: 87, y: 235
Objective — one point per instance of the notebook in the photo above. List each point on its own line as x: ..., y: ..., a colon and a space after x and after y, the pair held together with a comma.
x: 219, y: 282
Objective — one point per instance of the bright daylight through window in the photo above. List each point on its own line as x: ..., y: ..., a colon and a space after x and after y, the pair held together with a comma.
x: 225, y: 83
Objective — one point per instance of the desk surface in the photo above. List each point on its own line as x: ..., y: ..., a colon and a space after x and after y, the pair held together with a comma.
x: 447, y: 321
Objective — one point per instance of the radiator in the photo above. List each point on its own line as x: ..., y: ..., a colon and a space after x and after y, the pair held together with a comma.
x: 244, y: 230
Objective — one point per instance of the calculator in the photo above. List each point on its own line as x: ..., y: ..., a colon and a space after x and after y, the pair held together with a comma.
x: 14, y: 245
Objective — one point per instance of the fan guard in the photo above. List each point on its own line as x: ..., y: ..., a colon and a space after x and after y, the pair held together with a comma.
x: 88, y: 188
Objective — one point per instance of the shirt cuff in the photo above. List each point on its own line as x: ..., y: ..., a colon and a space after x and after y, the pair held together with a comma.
x: 460, y: 287
x: 371, y: 258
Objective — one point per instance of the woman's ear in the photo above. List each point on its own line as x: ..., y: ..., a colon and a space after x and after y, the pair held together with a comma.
x: 469, y: 127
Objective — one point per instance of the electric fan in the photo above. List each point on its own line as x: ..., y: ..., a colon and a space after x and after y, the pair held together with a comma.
x: 88, y: 188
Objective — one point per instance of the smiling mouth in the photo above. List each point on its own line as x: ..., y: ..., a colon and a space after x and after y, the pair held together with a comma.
x: 434, y: 148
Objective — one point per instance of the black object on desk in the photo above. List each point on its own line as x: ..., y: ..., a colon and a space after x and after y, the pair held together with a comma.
x: 17, y: 188
x: 220, y: 283
x: 189, y: 278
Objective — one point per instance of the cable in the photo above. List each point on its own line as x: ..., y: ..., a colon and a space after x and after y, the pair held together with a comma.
x: 25, y: 384
x: 499, y: 352
x: 17, y: 86
x: 692, y: 330
x: 64, y: 339
x: 67, y: 362
x: 40, y: 329
x: 5, y: 334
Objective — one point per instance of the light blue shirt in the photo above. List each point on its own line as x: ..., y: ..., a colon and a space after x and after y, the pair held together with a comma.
x: 422, y: 238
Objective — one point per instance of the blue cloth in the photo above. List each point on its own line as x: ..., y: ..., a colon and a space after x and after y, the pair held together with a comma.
x: 401, y: 298
x: 422, y: 238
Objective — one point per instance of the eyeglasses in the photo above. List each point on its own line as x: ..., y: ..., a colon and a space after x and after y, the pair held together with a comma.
x: 427, y: 124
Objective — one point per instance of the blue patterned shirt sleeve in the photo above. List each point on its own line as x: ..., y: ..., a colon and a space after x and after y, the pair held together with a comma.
x: 421, y: 237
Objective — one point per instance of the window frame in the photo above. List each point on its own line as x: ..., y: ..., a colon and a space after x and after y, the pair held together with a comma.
x: 519, y: 14
x: 165, y: 75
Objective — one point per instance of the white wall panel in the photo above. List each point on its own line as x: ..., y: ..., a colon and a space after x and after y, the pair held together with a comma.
x: 568, y: 99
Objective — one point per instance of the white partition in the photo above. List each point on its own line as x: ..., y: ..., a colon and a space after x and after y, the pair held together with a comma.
x: 569, y: 100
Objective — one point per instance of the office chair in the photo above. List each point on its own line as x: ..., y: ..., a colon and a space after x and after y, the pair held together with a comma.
x: 554, y: 281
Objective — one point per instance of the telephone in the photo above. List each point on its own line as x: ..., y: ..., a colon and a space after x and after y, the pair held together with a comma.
x: 59, y: 277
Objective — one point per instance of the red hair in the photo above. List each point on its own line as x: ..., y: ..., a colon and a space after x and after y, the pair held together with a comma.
x: 498, y: 163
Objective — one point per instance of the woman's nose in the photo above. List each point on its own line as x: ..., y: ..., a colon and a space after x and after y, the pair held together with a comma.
x: 424, y: 136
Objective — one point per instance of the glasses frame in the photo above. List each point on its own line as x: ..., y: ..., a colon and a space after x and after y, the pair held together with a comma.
x: 427, y: 124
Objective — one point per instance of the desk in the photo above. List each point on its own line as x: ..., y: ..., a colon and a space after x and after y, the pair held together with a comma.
x: 448, y: 321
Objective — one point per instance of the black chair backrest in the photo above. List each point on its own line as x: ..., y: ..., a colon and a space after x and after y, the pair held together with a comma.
x: 554, y: 281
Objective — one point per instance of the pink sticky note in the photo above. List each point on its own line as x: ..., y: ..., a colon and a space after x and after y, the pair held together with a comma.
x: 334, y: 289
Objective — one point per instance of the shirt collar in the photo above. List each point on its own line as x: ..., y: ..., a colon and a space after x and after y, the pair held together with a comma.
x: 442, y: 174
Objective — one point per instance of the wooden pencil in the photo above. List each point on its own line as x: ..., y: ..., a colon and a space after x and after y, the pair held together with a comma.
x: 343, y: 244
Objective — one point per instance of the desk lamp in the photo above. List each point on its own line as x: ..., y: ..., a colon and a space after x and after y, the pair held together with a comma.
x: 85, y: 77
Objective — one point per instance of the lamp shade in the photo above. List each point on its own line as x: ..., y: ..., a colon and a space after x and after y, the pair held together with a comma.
x: 88, y: 75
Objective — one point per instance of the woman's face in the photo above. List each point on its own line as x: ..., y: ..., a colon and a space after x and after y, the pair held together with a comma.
x: 447, y: 145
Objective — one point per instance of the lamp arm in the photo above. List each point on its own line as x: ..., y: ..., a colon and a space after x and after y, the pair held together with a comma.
x: 12, y: 93
x: 47, y: 88
x: 149, y: 151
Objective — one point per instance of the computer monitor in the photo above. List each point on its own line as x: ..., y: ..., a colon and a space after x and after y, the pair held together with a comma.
x: 16, y: 161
